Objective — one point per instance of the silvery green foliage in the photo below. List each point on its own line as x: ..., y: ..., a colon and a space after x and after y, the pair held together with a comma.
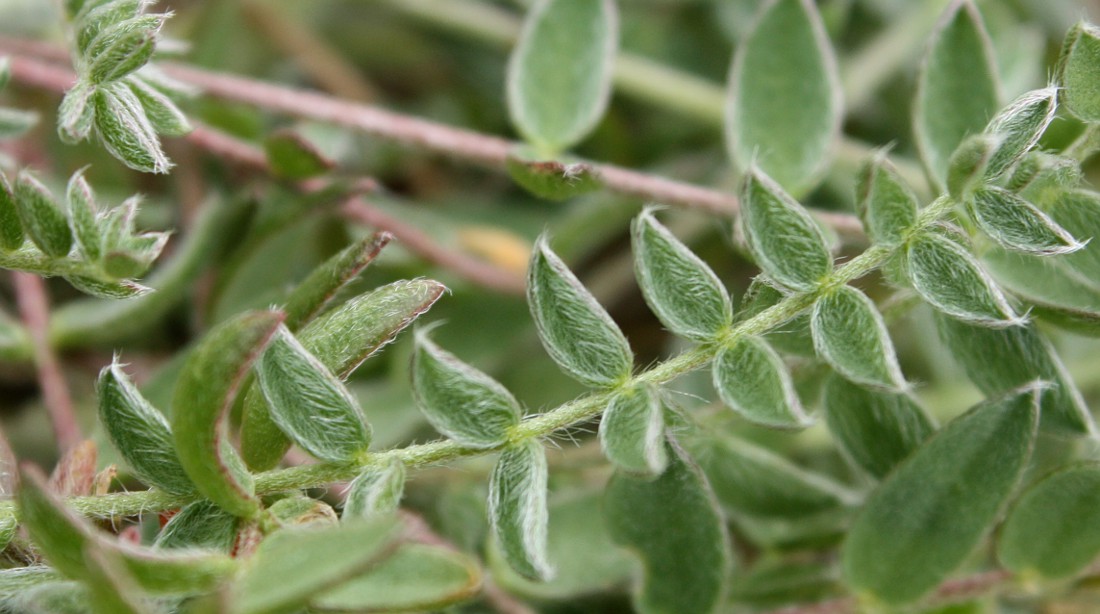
x: 1019, y: 126
x: 377, y: 490
x: 752, y: 380
x: 99, y: 252
x: 517, y: 508
x: 127, y: 104
x: 1019, y: 225
x: 632, y: 431
x: 851, y: 336
x: 887, y: 204
x: 13, y: 122
x: 460, y: 401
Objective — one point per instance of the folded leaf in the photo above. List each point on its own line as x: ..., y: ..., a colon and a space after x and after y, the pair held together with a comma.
x: 517, y: 508
x: 377, y: 490
x: 887, y: 205
x: 1077, y: 71
x: 752, y: 380
x: 1019, y: 225
x: 309, y: 403
x: 11, y: 227
x: 875, y: 429
x: 82, y: 217
x: 684, y: 547
x: 787, y: 127
x: 204, y: 393
x: 786, y: 242
x: 958, y: 89
x: 951, y: 280
x: 1053, y: 529
x: 126, y: 132
x: 575, y: 330
x: 201, y: 524
x: 163, y: 114
x: 632, y: 431
x: 850, y: 334
x: 1019, y: 126
x: 140, y: 433
x: 679, y: 287
x: 123, y: 49
x: 42, y: 217
x: 559, y: 75
x: 922, y: 522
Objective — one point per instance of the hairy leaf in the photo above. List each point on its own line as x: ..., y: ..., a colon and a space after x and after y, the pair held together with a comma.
x: 931, y: 512
x: 123, y: 49
x: 966, y: 169
x: 204, y: 393
x: 752, y: 380
x: 76, y: 115
x: 576, y: 331
x: 684, y: 548
x: 786, y: 127
x: 887, y: 205
x: 850, y: 334
x: 125, y: 130
x: 552, y: 179
x: 559, y: 75
x: 517, y: 508
x: 377, y: 490
x: 1077, y: 71
x: 201, y: 524
x: 875, y: 429
x: 1019, y: 225
x: 958, y: 89
x: 82, y: 217
x: 319, y: 288
x: 1053, y: 529
x: 1019, y: 126
x: 951, y: 280
x: 679, y: 287
x: 632, y: 431
x: 308, y: 402
x: 785, y: 241
x: 11, y: 227
x: 42, y: 217
x: 293, y: 157
x: 163, y: 114
x: 140, y: 433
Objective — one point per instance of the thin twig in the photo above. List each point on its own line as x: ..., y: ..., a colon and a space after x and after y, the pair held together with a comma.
x: 30, y: 293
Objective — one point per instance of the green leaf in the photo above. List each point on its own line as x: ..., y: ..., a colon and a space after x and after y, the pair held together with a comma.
x: 82, y: 217
x: 201, y: 524
x: 108, y: 289
x: 11, y: 228
x: 632, y: 431
x: 309, y: 403
x: 293, y: 565
x: 748, y: 479
x: 110, y: 585
x: 57, y: 532
x: 928, y: 515
x: 685, y: 552
x: 887, y: 205
x: 875, y: 429
x: 1077, y: 70
x: 165, y: 117
x: 459, y: 401
x: 951, y: 280
x: 957, y: 89
x: 294, y: 158
x: 122, y: 49
x: 125, y: 130
x: 794, y: 336
x: 966, y: 169
x: 586, y: 560
x: 517, y: 508
x: 1078, y: 211
x: 786, y: 242
x: 552, y: 179
x: 377, y: 490
x: 417, y: 577
x: 204, y: 393
x: 1019, y: 225
x: 787, y: 127
x: 95, y: 17
x: 139, y: 432
x: 1053, y: 529
x: 559, y: 75
x: 1042, y: 178
x: 575, y: 330
x: 1019, y: 126
x: 998, y: 360
x: 42, y: 217
x: 774, y: 583
x: 850, y: 334
x: 752, y: 380
x: 341, y: 339
x: 319, y: 288
x: 679, y: 287
x: 15, y: 123
x: 76, y: 115
x: 15, y: 580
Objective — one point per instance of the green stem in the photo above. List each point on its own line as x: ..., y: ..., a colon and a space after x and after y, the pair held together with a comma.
x: 573, y: 412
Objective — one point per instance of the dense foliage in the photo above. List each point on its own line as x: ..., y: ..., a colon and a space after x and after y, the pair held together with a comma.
x: 842, y: 363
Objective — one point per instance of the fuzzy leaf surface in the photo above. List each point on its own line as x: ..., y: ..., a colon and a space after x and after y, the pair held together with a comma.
x: 375, y: 491
x: 559, y: 75
x: 850, y: 334
x: 42, y: 217
x: 1078, y: 67
x: 684, y: 293
x: 951, y: 280
x: 575, y: 330
x: 632, y: 431
x: 887, y: 205
x: 752, y: 380
x: 518, y: 511
x: 1019, y: 225
x: 1019, y: 126
x: 785, y: 241
x: 787, y: 127
x: 685, y: 552
x: 928, y: 515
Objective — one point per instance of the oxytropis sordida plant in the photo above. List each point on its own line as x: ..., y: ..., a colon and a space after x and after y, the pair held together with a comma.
x: 994, y: 243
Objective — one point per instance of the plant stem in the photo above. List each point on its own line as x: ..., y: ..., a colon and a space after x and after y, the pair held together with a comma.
x: 30, y: 293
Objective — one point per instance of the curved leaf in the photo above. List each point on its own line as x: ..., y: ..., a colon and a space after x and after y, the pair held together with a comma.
x: 377, y: 490
x: 785, y: 241
x: 517, y: 508
x: 1019, y: 225
x: 850, y: 334
x: 887, y: 205
x: 1077, y: 71
x: 752, y: 380
x: 632, y: 431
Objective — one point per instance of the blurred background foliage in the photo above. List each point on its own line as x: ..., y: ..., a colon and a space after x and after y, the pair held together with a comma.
x: 445, y: 60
